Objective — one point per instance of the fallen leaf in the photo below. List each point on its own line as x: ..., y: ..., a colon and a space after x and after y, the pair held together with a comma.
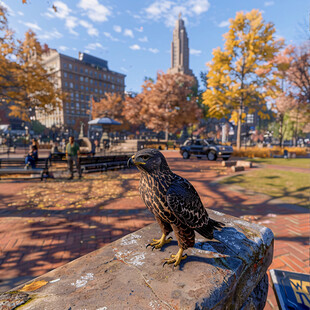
x: 33, y: 286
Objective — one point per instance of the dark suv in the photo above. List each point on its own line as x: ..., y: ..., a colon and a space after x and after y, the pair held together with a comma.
x: 205, y: 147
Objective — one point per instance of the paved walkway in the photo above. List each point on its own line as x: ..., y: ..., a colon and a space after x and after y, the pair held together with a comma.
x: 46, y: 224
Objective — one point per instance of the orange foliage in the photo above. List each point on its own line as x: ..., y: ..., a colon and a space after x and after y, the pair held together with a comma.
x: 167, y: 104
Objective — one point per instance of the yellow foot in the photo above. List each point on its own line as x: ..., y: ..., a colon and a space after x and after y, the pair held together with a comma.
x: 158, y: 243
x: 176, y: 259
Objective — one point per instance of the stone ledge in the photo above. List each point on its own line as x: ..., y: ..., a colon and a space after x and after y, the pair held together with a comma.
x: 217, y: 274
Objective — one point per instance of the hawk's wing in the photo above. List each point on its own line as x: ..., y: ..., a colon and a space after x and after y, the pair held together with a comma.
x: 184, y: 202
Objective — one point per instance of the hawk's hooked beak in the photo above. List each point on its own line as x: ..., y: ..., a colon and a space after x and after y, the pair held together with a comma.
x: 131, y: 161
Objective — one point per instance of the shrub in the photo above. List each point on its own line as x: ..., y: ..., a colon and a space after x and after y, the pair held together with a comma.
x: 265, y: 152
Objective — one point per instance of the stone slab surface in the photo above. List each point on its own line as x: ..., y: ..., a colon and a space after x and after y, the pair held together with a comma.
x: 127, y: 275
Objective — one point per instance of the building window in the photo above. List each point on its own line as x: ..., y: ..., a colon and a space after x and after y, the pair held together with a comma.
x: 82, y: 97
x: 91, y: 89
x: 77, y: 105
x: 109, y: 77
x: 76, y: 95
x: 95, y: 74
x: 91, y: 81
x: 81, y: 70
x: 82, y: 87
x: 81, y: 78
x: 96, y: 90
x: 64, y: 65
x: 70, y: 76
x: 70, y: 66
x: 87, y: 98
x: 99, y: 75
x: 100, y: 84
x: 112, y: 78
x: 72, y: 105
x: 86, y: 70
x: 104, y: 77
x: 66, y: 84
x: 86, y: 88
x: 71, y: 85
x: 86, y: 80
x: 91, y: 73
x: 76, y: 86
x: 113, y: 86
x: 100, y: 91
x: 76, y: 77
x: 71, y: 95
x: 65, y: 74
x: 250, y: 118
x: 75, y: 68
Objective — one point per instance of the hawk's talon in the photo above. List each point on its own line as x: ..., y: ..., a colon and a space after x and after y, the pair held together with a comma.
x: 175, y: 259
x: 158, y: 243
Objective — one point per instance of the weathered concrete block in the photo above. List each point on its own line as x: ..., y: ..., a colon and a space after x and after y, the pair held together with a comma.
x: 245, y: 164
x: 229, y: 163
x: 236, y: 168
x: 218, y: 274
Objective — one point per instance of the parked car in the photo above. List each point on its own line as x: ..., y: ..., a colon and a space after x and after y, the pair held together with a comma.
x: 205, y: 147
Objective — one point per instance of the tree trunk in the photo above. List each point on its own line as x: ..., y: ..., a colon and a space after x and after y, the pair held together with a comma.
x: 239, y: 129
x: 281, y: 130
x: 167, y: 134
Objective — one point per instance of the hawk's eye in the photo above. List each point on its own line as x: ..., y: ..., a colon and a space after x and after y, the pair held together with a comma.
x: 145, y: 157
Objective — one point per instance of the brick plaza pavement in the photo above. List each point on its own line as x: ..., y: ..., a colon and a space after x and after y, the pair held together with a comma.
x: 45, y: 225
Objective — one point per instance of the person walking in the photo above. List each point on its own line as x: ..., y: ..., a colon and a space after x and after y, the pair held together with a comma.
x: 72, y: 153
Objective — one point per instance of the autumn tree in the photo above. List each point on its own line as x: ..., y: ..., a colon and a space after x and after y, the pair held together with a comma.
x: 291, y: 90
x: 109, y: 106
x: 36, y: 88
x: 25, y: 85
x: 164, y: 105
x: 233, y: 82
x: 8, y: 65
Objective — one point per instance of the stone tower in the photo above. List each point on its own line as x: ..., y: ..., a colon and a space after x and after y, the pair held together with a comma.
x: 180, y: 50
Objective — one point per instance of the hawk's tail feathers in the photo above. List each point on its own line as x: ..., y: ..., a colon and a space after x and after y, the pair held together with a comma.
x: 208, y: 229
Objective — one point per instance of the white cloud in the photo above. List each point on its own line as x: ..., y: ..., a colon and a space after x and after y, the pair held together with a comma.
x: 192, y: 51
x: 135, y: 47
x: 62, y: 10
x: 139, y: 29
x: 71, y: 23
x: 94, y: 46
x: 32, y: 26
x: 144, y: 39
x: 153, y: 50
x: 8, y: 8
x: 117, y: 28
x: 128, y: 33
x: 63, y: 48
x: 168, y: 11
x: 109, y: 35
x: 224, y: 23
x: 49, y: 35
x: 94, y: 10
x: 20, y: 13
x: 124, y: 69
x: 90, y: 28
x: 269, y: 3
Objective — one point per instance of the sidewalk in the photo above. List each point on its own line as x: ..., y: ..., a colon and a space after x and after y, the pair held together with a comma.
x: 45, y: 225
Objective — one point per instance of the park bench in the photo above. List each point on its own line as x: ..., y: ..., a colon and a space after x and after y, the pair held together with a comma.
x: 13, y: 166
x: 103, y: 163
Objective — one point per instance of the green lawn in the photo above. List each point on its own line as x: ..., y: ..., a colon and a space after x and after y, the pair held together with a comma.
x: 296, y: 162
x: 292, y: 187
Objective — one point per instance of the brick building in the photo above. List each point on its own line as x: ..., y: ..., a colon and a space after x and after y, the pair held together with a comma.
x: 80, y: 78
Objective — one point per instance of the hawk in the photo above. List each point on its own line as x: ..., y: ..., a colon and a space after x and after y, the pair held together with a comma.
x: 174, y: 202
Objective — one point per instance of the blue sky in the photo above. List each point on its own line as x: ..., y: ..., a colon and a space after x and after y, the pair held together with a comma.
x: 135, y: 36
